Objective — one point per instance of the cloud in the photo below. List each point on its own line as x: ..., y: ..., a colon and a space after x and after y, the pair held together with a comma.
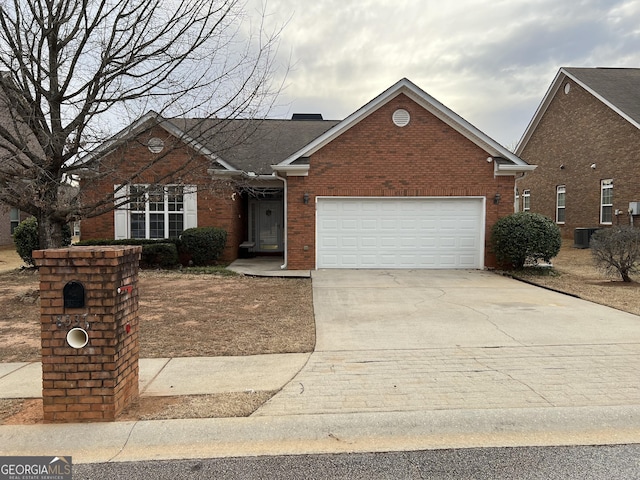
x: 491, y: 62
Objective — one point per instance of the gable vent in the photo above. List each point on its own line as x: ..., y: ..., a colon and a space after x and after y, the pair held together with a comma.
x: 401, y: 117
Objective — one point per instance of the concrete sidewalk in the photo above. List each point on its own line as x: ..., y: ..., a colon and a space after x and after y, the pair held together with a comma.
x: 177, y: 376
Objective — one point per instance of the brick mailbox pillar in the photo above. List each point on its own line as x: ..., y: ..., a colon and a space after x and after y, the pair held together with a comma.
x: 89, y: 331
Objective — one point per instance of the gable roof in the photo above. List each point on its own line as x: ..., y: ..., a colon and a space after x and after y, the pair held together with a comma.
x: 254, y: 145
x: 236, y: 145
x: 617, y: 88
x: 510, y: 162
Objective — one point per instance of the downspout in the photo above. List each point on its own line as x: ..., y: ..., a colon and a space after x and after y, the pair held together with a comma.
x: 285, y: 232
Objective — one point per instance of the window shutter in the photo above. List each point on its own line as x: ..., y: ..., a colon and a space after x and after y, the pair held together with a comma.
x: 120, y: 214
x: 190, y: 196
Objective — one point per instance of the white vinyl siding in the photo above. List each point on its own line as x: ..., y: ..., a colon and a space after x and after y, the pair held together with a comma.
x: 400, y: 232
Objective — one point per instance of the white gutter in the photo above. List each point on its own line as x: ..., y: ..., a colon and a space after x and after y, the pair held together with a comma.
x: 286, y: 230
x: 292, y: 170
x: 503, y: 170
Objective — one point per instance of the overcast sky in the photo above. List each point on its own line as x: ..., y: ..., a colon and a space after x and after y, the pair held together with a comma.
x: 489, y: 61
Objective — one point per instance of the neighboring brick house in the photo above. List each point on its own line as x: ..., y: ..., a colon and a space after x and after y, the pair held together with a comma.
x: 10, y: 217
x: 403, y: 182
x: 585, y: 139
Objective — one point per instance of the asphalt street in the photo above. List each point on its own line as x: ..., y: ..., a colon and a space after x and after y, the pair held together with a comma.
x: 619, y: 462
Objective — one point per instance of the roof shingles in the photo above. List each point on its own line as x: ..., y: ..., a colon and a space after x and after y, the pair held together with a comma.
x: 620, y: 87
x: 254, y: 145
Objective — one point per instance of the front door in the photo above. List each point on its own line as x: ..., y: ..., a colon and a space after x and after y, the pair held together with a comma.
x: 268, y: 226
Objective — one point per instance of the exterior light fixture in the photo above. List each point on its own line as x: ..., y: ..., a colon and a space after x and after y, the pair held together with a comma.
x: 496, y: 198
x: 305, y: 198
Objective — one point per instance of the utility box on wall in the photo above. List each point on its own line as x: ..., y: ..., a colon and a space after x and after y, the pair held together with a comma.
x: 89, y: 331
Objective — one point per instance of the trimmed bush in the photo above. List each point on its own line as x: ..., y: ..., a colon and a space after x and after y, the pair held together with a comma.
x: 616, y: 250
x: 203, y: 244
x: 155, y: 253
x: 25, y: 237
x: 525, y: 236
x: 163, y: 255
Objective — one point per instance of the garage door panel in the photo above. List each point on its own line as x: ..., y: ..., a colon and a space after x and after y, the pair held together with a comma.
x: 399, y: 233
x: 369, y: 224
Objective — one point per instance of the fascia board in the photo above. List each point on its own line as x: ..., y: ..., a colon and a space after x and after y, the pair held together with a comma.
x: 197, y: 146
x: 119, y: 137
x: 343, y: 126
x: 423, y: 99
x: 219, y: 172
x: 462, y: 126
x: 292, y: 170
x: 139, y: 126
x: 550, y: 95
x: 505, y: 170
x: 540, y: 111
x: 603, y: 100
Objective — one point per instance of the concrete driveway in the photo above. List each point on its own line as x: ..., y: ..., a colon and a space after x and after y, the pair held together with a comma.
x: 427, y: 340
x: 418, y: 309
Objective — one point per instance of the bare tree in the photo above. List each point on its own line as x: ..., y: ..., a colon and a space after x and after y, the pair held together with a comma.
x: 616, y: 250
x: 74, y: 70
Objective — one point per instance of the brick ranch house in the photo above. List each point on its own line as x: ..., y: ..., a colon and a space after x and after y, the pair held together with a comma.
x: 585, y: 139
x: 403, y: 182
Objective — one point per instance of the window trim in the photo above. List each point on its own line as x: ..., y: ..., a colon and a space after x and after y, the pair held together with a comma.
x: 123, y: 214
x: 526, y: 200
x: 606, y: 184
x: 561, y: 189
x: 14, y: 219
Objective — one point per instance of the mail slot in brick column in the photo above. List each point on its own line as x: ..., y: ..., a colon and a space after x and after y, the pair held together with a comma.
x: 89, y: 331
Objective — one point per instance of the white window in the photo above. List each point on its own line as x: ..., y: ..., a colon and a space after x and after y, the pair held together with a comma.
x: 14, y: 218
x: 606, y: 202
x: 155, y: 211
x: 526, y: 200
x: 561, y: 194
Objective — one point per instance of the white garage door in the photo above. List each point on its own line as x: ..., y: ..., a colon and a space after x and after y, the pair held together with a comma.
x: 400, y: 232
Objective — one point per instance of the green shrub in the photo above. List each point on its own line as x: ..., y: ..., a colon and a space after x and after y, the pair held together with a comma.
x: 203, y: 244
x: 25, y: 237
x: 617, y: 250
x: 525, y: 236
x: 126, y: 241
x: 155, y: 253
x: 163, y: 255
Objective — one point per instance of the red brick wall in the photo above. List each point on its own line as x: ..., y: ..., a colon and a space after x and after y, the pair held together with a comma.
x: 377, y: 158
x: 217, y: 207
x: 576, y: 131
x: 96, y: 382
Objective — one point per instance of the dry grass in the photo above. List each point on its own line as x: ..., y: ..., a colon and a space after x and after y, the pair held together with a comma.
x: 180, y: 315
x: 574, y: 273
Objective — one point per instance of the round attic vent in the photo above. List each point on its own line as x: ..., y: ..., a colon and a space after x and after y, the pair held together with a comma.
x: 567, y: 88
x: 401, y: 117
x: 155, y: 145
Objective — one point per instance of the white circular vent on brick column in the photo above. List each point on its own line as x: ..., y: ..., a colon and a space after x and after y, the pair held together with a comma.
x: 401, y: 117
